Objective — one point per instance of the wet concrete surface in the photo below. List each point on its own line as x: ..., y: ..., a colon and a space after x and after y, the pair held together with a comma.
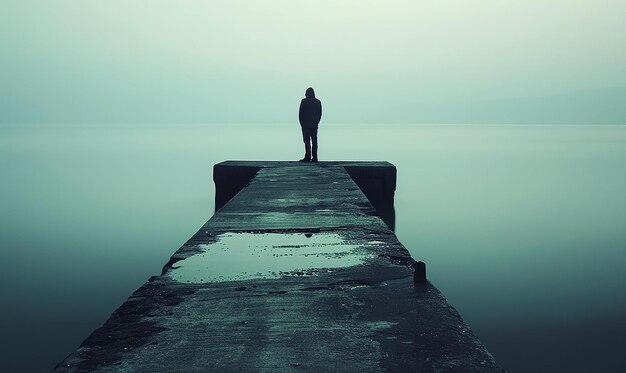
x: 242, y: 256
x: 294, y: 273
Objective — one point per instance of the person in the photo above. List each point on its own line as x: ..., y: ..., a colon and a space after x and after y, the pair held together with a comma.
x: 310, y: 115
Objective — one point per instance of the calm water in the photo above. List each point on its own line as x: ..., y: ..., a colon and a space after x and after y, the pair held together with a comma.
x: 522, y: 227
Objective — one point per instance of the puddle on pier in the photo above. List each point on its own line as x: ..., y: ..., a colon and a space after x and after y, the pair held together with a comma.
x: 242, y: 256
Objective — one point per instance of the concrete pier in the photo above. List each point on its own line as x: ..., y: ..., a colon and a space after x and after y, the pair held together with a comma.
x: 294, y: 272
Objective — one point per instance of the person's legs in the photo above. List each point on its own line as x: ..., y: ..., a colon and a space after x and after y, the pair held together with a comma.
x: 306, y: 137
x: 313, y: 132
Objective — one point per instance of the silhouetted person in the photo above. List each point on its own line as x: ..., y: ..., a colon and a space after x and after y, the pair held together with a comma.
x: 310, y: 115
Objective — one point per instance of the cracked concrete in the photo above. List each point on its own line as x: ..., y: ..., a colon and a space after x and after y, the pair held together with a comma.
x: 273, y: 304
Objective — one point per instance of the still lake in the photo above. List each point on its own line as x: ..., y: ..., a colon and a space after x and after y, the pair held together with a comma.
x: 523, y: 228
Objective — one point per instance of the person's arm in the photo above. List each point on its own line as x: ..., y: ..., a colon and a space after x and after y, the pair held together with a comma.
x: 317, y: 112
x: 301, y: 113
x: 320, y: 118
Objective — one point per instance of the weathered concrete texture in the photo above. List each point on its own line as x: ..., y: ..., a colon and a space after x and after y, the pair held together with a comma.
x: 318, y: 283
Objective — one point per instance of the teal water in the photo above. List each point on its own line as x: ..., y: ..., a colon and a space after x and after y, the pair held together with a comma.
x: 523, y: 228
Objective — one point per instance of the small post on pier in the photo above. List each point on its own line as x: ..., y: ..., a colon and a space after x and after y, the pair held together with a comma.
x: 419, y: 272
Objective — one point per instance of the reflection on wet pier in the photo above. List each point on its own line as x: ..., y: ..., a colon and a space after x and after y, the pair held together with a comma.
x: 295, y: 271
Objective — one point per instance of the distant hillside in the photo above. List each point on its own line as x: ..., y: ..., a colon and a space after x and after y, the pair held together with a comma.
x: 606, y: 106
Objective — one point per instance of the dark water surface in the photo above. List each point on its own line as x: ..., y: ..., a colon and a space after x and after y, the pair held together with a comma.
x: 523, y: 228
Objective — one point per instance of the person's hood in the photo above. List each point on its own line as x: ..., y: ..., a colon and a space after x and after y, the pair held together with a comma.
x: 310, y: 93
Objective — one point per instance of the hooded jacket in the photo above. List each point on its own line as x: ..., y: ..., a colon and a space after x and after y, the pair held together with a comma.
x: 310, y: 110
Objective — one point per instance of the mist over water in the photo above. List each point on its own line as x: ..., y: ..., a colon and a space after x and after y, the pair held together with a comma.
x: 522, y: 227
x: 241, y: 61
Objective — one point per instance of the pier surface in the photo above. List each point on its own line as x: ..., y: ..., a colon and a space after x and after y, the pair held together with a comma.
x: 295, y: 272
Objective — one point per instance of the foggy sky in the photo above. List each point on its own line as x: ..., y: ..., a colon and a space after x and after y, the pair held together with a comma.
x: 152, y: 61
